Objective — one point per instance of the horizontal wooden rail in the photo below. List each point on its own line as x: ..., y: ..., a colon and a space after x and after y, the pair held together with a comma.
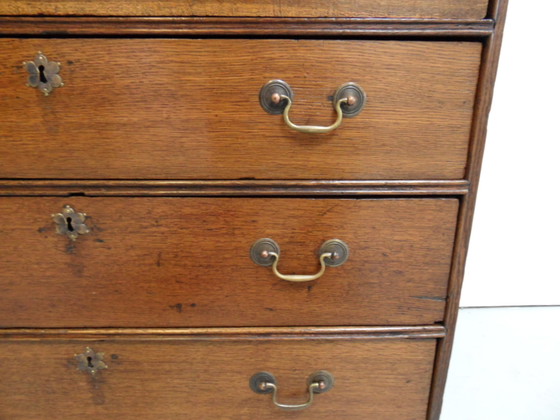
x: 245, y: 333
x: 232, y: 27
x: 230, y: 188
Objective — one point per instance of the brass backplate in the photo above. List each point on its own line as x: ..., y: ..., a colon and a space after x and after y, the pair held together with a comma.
x: 261, y: 248
x: 348, y: 90
x: 267, y: 93
x: 339, y: 251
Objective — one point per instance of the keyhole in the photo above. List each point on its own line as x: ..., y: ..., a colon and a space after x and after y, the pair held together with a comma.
x: 90, y: 365
x: 70, y: 228
x: 42, y: 76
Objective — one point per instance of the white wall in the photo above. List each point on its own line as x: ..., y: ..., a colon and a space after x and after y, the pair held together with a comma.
x: 506, y: 360
x: 505, y: 365
x: 514, y: 248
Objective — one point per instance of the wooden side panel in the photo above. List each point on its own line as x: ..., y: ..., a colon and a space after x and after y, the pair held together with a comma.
x: 448, y: 9
x: 387, y: 380
x: 162, y: 262
x: 484, y: 102
x: 182, y: 109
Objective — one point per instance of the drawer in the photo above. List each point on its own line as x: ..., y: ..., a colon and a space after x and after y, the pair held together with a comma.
x: 157, y: 262
x: 190, y: 109
x: 381, y: 379
x: 448, y: 9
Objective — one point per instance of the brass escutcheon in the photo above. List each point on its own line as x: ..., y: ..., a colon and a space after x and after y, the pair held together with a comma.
x: 90, y: 361
x: 43, y: 74
x: 70, y: 223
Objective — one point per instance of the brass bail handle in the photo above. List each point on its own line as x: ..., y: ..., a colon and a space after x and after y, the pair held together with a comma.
x: 276, y: 97
x: 266, y: 252
x: 265, y: 383
x: 312, y: 128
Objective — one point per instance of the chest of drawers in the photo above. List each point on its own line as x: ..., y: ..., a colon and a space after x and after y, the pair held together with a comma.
x: 236, y: 210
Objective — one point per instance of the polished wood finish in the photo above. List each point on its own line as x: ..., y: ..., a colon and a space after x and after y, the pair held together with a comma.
x: 154, y: 262
x: 111, y: 131
x: 483, y: 104
x: 227, y: 27
x: 443, y: 9
x: 134, y: 188
x: 181, y: 109
x: 382, y: 379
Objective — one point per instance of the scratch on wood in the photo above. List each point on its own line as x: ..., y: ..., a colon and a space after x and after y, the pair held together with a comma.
x: 328, y: 209
x: 436, y: 298
x: 158, y: 261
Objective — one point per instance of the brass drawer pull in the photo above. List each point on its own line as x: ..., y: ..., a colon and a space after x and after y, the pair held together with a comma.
x: 43, y: 74
x: 266, y: 252
x: 265, y: 383
x: 277, y: 98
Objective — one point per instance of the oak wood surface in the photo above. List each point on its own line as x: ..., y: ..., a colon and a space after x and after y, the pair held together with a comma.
x: 379, y: 379
x: 458, y: 9
x: 76, y: 285
x: 176, y: 262
x: 488, y: 73
x: 189, y: 109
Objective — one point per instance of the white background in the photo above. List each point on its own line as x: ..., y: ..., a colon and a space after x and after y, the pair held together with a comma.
x: 506, y: 357
x: 514, y: 251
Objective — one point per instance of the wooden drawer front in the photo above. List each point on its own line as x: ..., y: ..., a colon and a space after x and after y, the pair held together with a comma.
x: 381, y: 379
x: 189, y: 109
x: 185, y: 262
x: 449, y: 9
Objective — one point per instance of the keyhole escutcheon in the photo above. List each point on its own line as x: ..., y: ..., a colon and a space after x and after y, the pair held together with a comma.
x: 69, y: 224
x: 42, y: 76
x: 90, y: 361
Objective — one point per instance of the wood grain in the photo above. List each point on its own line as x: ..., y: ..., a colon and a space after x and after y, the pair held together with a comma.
x: 489, y: 69
x: 210, y: 379
x: 181, y: 117
x: 458, y: 9
x: 182, y: 109
x: 176, y: 262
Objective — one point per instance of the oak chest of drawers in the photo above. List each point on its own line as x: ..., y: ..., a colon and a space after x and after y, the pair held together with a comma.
x: 236, y: 210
